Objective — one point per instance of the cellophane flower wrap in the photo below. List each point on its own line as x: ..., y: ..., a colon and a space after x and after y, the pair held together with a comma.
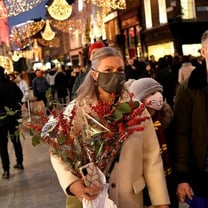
x: 99, y: 139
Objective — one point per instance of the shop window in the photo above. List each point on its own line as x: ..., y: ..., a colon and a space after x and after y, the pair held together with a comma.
x: 138, y: 38
x: 131, y: 37
x: 191, y: 49
x: 162, y: 11
x: 148, y: 13
x: 188, y: 9
x: 162, y: 49
x: 126, y: 41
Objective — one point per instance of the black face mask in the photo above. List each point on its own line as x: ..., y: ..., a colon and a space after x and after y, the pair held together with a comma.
x: 111, y: 82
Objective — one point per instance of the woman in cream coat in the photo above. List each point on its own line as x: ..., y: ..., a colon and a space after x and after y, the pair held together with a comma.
x: 139, y: 163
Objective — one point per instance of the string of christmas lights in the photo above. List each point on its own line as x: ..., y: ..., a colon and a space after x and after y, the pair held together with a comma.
x: 16, y: 7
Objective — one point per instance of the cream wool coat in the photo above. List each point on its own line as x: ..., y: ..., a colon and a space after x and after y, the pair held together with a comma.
x: 139, y: 165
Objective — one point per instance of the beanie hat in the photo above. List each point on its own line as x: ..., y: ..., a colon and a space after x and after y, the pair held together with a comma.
x: 97, y: 44
x: 144, y: 87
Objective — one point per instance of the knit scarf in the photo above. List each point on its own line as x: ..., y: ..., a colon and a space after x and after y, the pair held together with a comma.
x: 162, y: 141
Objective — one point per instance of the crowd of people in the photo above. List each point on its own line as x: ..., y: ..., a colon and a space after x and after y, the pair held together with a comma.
x: 165, y: 164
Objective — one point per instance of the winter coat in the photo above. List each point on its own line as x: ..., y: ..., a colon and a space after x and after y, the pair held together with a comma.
x: 50, y: 77
x: 191, y: 135
x: 10, y: 96
x: 39, y: 85
x: 61, y: 85
x: 139, y: 165
x: 22, y: 84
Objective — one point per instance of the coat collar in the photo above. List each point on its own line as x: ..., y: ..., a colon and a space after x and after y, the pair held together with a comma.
x: 198, y: 77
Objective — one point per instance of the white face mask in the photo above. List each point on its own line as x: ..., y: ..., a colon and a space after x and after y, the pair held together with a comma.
x: 155, y: 101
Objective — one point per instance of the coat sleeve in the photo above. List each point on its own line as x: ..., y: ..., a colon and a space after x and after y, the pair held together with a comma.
x: 65, y: 177
x: 182, y: 120
x: 153, y: 167
x: 34, y: 87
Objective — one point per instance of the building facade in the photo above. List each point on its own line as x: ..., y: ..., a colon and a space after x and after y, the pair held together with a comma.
x: 172, y: 26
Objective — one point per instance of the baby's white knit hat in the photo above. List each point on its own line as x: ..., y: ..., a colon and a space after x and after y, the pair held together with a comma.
x: 144, y: 87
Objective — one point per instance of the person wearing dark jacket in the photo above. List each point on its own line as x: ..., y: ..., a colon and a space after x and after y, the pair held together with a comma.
x: 61, y: 86
x: 50, y: 78
x: 10, y: 97
x: 40, y: 86
x: 191, y: 132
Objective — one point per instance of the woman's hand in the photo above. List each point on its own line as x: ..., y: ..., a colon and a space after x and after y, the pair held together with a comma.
x: 81, y: 191
x: 183, y: 190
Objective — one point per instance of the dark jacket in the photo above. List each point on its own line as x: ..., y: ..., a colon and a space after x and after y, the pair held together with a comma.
x: 10, y: 96
x: 61, y: 84
x: 39, y: 85
x: 191, y: 122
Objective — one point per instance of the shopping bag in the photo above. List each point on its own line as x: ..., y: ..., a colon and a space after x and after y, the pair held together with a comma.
x: 197, y: 202
x: 102, y: 200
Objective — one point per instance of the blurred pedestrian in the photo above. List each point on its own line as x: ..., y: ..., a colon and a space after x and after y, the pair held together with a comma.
x: 148, y: 70
x: 10, y: 98
x: 131, y: 71
x: 76, y: 71
x: 40, y: 86
x: 92, y: 49
x: 61, y: 86
x: 24, y: 87
x: 164, y: 76
x: 185, y: 69
x: 50, y: 77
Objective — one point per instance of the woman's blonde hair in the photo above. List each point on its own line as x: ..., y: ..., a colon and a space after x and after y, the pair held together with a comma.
x: 88, y: 88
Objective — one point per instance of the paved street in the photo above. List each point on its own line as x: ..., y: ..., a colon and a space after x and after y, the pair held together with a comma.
x: 34, y: 187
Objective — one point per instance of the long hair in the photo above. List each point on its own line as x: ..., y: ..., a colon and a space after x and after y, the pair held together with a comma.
x: 88, y: 88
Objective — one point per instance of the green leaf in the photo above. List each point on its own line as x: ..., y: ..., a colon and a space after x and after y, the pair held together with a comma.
x: 35, y: 140
x: 136, y: 104
x: 48, y: 93
x: 2, y: 117
x: 62, y: 139
x: 7, y: 109
x: 77, y: 146
x: 124, y: 108
x: 11, y: 113
x: 17, y: 133
x: 117, y: 115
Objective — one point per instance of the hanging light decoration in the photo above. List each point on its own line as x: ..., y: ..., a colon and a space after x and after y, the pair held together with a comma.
x: 64, y: 26
x: 55, y: 43
x: 27, y: 29
x: 60, y: 10
x: 114, y: 4
x: 16, y: 7
x: 48, y: 34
